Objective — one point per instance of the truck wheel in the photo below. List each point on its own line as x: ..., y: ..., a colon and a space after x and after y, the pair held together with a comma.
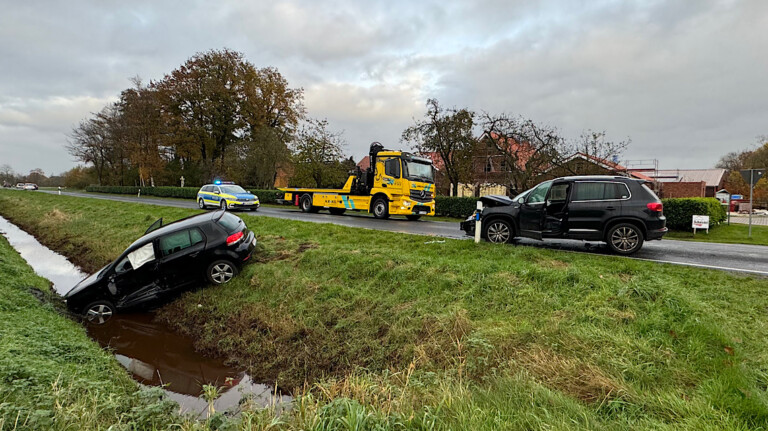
x: 624, y: 239
x: 380, y: 208
x: 337, y: 211
x: 306, y: 204
x: 413, y: 217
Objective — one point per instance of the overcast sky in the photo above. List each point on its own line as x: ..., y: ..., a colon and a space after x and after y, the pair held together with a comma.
x: 685, y: 80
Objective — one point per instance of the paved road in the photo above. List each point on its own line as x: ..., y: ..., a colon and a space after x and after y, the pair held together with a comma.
x: 731, y: 257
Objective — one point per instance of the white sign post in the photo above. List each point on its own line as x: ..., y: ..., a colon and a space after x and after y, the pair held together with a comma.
x: 478, y: 223
x: 700, y: 222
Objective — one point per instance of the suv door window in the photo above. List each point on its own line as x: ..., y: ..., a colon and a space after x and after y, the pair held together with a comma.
x: 599, y: 191
x: 538, y: 194
x: 178, y: 241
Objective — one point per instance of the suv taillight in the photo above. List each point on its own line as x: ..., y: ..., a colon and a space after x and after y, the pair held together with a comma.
x: 235, y: 237
x: 655, y: 206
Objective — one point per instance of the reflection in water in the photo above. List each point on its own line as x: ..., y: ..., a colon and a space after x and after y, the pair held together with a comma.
x: 157, y: 356
x: 46, y: 263
x: 152, y: 353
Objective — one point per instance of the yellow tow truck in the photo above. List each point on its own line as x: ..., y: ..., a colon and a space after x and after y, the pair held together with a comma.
x: 395, y: 183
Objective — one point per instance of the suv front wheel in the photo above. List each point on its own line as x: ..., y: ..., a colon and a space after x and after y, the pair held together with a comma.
x: 624, y: 239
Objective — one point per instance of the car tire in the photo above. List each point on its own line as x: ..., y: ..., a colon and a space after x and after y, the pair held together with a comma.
x: 221, y: 272
x: 413, y: 217
x: 99, y: 312
x: 337, y: 211
x: 201, y: 204
x: 380, y: 208
x: 223, y: 204
x: 499, y: 231
x: 624, y: 239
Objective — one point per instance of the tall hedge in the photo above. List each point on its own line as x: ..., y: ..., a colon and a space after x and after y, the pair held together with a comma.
x: 265, y: 196
x: 680, y: 211
x: 448, y: 206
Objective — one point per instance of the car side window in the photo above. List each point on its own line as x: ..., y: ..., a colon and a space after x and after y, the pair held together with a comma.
x: 392, y: 168
x: 207, y: 189
x: 558, y: 192
x: 178, y: 241
x: 216, y: 190
x: 538, y: 194
x: 597, y: 191
x: 123, y: 266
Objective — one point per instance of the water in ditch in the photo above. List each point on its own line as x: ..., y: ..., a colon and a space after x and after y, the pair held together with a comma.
x: 153, y: 354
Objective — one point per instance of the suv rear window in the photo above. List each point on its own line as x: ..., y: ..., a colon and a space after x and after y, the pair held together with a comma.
x: 229, y: 222
x: 599, y: 191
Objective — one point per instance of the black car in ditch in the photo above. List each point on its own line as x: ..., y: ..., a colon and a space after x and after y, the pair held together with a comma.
x: 621, y: 211
x: 166, y: 260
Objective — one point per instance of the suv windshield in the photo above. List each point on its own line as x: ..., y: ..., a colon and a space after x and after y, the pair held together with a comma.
x: 418, y: 172
x: 232, y: 190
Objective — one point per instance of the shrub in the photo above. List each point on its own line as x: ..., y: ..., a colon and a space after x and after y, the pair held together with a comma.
x: 680, y: 211
x: 265, y: 196
x: 449, y: 206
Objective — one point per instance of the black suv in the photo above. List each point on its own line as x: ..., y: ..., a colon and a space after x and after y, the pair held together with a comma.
x: 165, y: 260
x: 620, y: 211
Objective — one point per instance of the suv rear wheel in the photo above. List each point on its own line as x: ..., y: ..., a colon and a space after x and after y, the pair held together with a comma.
x: 624, y: 238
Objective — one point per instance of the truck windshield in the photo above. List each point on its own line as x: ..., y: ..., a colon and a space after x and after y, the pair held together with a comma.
x: 418, y: 172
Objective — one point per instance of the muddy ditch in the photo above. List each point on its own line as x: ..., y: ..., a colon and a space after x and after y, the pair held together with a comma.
x: 150, y: 351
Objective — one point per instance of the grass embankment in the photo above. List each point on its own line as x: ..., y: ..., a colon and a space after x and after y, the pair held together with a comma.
x: 399, y: 332
x: 52, y: 376
x: 729, y: 234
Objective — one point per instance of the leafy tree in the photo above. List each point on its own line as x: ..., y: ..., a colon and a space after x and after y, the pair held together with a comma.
x: 78, y: 177
x: 317, y: 156
x: 447, y: 132
x: 7, y: 176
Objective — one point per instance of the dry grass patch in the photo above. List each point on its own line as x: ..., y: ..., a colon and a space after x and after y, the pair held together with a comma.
x: 571, y: 376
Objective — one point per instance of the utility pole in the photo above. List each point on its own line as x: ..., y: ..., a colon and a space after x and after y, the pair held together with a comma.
x: 751, y: 176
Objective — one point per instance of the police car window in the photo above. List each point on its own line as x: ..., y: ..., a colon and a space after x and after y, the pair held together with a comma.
x: 208, y: 189
x: 178, y: 241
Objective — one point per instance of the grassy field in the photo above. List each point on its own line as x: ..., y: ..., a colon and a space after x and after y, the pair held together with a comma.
x: 52, y: 376
x: 731, y: 234
x: 377, y: 329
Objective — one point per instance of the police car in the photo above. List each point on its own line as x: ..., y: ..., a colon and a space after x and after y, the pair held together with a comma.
x: 226, y: 195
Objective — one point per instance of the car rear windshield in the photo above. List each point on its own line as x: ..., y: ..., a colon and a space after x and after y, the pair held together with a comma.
x: 230, y: 222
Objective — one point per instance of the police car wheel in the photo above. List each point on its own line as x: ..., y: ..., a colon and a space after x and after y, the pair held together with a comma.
x: 201, y: 204
x: 223, y: 205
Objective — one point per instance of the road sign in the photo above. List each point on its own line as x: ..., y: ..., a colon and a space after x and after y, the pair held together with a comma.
x: 700, y: 222
x: 736, y: 197
x: 752, y: 176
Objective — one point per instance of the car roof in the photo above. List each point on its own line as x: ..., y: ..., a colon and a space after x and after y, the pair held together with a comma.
x: 597, y: 178
x: 184, y: 223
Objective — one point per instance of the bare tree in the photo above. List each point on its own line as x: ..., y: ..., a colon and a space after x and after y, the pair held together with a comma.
x: 595, y: 147
x: 447, y: 132
x: 318, y: 154
x: 527, y: 148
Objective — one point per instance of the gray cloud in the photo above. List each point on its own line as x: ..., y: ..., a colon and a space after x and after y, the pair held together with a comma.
x: 684, y: 80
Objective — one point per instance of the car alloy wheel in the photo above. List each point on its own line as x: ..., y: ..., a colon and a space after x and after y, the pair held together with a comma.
x: 498, y: 232
x: 222, y: 272
x: 99, y: 312
x: 201, y: 204
x: 625, y: 239
x: 224, y: 205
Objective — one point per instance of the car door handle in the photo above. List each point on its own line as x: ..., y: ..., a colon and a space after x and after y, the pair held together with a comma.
x: 194, y: 254
x: 610, y: 208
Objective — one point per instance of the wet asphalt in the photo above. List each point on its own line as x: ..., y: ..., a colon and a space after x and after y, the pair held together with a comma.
x: 751, y: 259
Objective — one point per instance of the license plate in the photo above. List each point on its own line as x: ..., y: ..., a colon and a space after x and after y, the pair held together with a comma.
x: 422, y: 212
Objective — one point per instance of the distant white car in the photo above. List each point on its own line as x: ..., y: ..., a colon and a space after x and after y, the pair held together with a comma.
x: 30, y: 186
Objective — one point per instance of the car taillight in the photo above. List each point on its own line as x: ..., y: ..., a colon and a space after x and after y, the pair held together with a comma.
x: 655, y: 206
x: 235, y: 237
